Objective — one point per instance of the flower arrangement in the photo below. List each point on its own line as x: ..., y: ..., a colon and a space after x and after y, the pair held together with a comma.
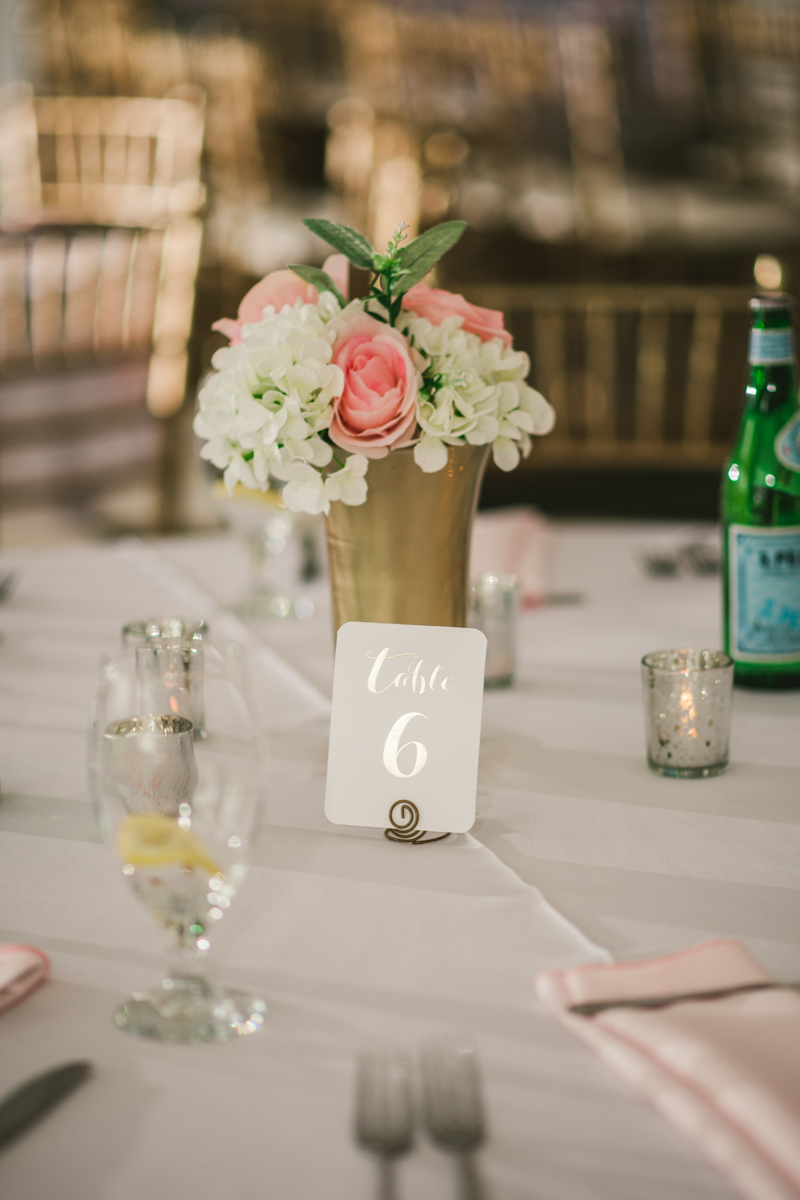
x: 312, y: 386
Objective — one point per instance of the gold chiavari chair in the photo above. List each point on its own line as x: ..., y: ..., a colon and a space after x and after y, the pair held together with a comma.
x: 99, y: 248
x: 107, y: 48
x: 640, y: 376
x: 98, y: 159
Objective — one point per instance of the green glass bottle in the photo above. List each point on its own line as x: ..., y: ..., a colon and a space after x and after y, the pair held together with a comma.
x: 761, y: 509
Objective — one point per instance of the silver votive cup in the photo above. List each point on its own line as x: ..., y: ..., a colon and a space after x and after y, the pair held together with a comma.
x: 687, y: 711
x: 154, y: 629
x: 148, y: 764
x: 171, y: 679
x: 494, y: 609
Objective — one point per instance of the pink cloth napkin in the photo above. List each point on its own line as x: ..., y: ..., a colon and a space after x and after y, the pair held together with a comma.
x: 725, y: 1071
x: 515, y: 541
x: 22, y: 968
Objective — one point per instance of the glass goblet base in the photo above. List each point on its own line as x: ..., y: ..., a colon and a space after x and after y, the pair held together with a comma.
x: 187, y: 1008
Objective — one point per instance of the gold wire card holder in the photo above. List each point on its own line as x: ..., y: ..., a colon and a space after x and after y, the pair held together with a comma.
x: 405, y: 829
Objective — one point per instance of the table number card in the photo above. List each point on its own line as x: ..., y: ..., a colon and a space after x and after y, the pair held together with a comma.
x: 405, y: 728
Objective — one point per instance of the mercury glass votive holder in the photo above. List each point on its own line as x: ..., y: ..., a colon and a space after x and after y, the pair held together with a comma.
x: 171, y: 679
x: 148, y: 764
x: 494, y: 609
x: 687, y: 711
x: 155, y: 629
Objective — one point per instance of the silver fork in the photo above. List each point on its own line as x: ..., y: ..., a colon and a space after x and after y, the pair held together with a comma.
x: 453, y: 1109
x: 658, y: 563
x: 384, y: 1124
x: 700, y: 558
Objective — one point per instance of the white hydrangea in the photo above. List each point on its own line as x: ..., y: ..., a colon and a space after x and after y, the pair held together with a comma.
x: 477, y: 394
x: 263, y: 409
x: 309, y: 491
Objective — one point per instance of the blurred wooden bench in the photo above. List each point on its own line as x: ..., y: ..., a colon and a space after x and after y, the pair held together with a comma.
x: 639, y: 375
x: 99, y: 248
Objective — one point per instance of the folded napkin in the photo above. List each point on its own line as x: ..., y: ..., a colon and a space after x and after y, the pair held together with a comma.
x: 726, y: 1071
x: 515, y: 541
x: 22, y: 968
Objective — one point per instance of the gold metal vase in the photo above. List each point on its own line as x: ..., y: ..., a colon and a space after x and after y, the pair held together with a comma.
x: 403, y: 555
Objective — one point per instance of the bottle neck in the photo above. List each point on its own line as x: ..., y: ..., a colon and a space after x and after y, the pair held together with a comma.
x: 771, y: 386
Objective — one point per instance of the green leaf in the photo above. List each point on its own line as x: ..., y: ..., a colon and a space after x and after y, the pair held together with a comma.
x: 424, y: 252
x: 347, y: 241
x: 320, y: 279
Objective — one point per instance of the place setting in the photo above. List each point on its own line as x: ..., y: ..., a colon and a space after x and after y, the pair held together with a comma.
x: 371, y: 823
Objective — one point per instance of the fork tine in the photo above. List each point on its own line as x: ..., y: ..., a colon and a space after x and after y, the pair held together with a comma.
x: 384, y: 1118
x: 658, y: 563
x: 453, y: 1109
x: 700, y: 558
x: 452, y: 1096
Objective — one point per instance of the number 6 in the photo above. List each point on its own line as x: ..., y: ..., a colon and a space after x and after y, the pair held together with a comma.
x: 392, y: 748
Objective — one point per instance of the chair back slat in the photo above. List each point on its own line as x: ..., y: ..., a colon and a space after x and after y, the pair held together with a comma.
x: 703, y: 359
x: 548, y: 334
x: 83, y: 277
x: 601, y: 367
x: 651, y: 374
x: 13, y: 310
x: 66, y: 157
x: 146, y: 273
x: 46, y: 269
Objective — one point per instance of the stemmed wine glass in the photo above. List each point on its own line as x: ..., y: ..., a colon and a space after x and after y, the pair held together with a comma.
x: 174, y: 775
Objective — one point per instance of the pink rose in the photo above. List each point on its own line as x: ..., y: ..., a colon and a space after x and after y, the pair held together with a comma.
x: 436, y: 305
x: 377, y: 408
x: 278, y: 289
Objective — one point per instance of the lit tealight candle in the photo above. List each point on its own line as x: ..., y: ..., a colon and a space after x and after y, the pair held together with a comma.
x: 687, y: 702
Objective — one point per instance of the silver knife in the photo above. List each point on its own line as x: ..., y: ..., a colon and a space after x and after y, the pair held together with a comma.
x: 32, y: 1099
x: 592, y: 1007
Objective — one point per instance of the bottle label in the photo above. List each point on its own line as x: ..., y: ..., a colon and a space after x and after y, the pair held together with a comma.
x: 765, y: 593
x: 787, y: 444
x: 770, y: 347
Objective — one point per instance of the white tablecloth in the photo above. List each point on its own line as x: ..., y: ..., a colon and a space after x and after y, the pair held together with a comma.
x: 578, y: 853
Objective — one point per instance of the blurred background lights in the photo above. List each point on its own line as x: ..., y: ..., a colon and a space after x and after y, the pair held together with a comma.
x: 768, y: 272
x: 608, y: 157
x: 446, y: 150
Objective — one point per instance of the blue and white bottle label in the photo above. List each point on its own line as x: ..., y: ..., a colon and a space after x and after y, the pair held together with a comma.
x: 765, y: 593
x: 771, y: 346
x: 787, y: 444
